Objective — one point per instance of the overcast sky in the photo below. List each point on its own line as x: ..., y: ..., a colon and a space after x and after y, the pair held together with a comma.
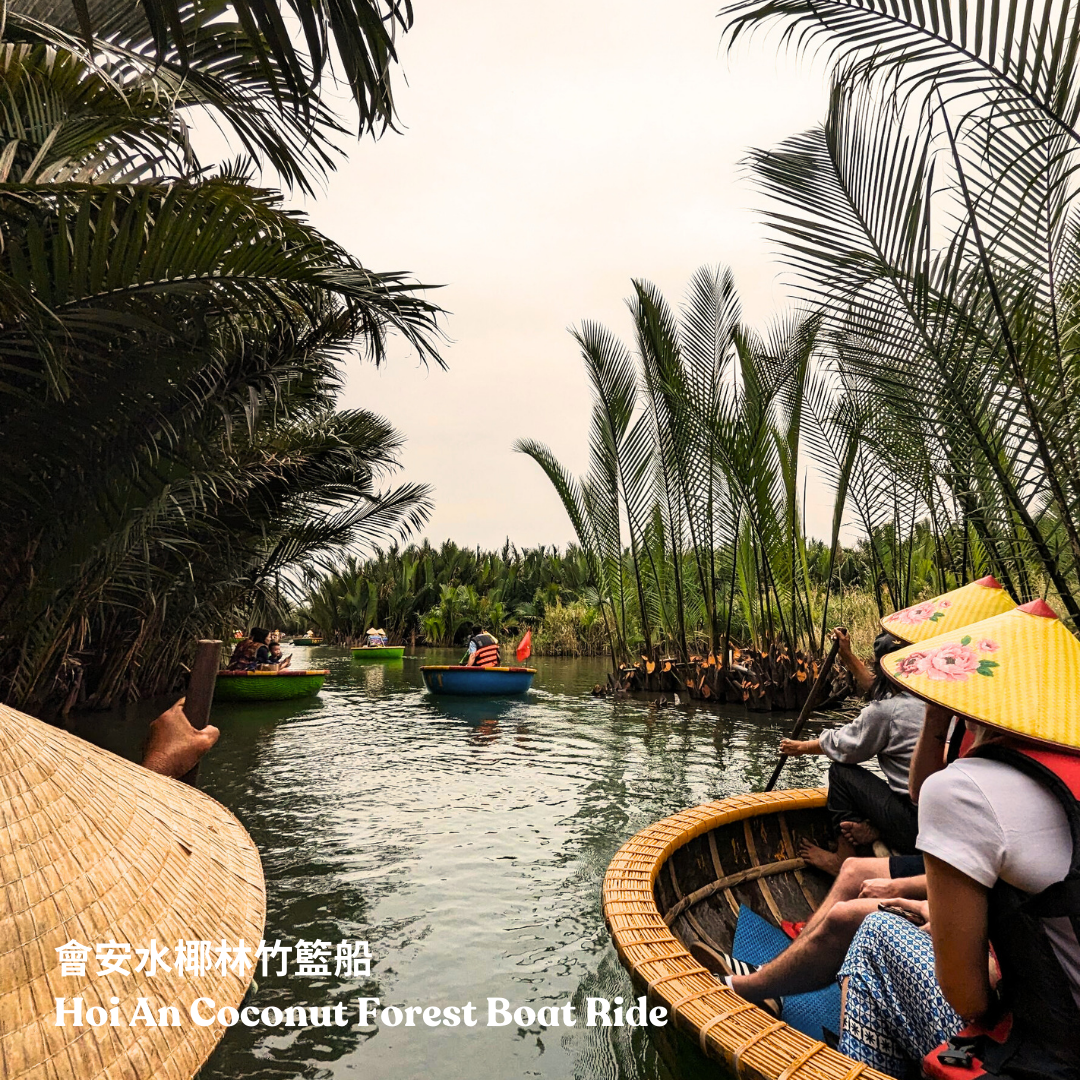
x: 548, y: 154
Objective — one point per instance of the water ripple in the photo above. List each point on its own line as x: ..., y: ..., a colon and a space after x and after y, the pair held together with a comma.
x: 466, y: 841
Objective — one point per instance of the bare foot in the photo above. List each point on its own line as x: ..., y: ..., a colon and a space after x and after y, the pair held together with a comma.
x: 859, y: 833
x: 175, y: 747
x: 828, y: 861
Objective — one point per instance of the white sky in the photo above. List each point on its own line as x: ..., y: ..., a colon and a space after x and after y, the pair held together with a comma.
x: 549, y: 153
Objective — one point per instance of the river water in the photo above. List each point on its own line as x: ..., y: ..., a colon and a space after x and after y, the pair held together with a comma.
x: 465, y: 840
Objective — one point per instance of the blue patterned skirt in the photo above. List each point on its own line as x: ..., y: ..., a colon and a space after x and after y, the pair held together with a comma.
x: 895, y: 1012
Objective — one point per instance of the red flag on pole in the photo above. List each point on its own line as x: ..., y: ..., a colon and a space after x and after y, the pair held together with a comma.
x: 524, y: 647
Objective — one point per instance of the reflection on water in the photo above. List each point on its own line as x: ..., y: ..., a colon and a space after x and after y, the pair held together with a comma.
x: 465, y: 840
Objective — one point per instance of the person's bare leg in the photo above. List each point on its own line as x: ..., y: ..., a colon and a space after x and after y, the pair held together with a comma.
x: 847, y: 886
x: 813, y: 958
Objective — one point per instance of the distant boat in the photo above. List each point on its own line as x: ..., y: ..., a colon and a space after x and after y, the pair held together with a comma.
x: 378, y: 652
x: 476, y: 681
x: 307, y: 641
x: 269, y: 685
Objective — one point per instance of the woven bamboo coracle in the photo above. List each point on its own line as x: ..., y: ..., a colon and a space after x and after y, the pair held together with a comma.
x: 269, y: 685
x: 97, y: 849
x: 737, y: 850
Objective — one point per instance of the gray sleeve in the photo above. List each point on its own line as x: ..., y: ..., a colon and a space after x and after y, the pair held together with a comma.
x: 865, y: 736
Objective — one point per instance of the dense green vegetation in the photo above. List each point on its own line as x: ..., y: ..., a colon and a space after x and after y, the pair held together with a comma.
x: 171, y: 339
x: 433, y: 595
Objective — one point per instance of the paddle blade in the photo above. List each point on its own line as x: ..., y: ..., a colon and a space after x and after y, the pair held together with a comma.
x: 524, y: 646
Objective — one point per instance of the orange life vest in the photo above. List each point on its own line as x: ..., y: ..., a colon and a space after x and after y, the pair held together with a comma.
x: 487, y: 651
x: 486, y: 656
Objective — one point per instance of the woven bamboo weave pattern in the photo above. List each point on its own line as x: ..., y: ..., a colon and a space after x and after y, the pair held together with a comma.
x: 748, y: 1041
x: 97, y: 849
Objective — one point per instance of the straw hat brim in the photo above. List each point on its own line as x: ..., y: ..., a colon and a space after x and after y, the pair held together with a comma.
x: 96, y: 850
x: 1018, y: 671
x: 943, y: 614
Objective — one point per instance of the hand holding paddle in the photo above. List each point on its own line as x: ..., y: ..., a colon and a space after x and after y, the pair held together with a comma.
x: 200, y: 693
x: 811, y: 704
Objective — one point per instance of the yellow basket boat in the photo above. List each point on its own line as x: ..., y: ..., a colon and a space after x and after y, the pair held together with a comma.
x: 681, y: 881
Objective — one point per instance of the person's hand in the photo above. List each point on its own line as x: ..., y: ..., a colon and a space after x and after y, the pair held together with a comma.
x: 792, y: 747
x: 878, y: 888
x: 917, y: 907
x: 840, y: 635
x: 174, y: 746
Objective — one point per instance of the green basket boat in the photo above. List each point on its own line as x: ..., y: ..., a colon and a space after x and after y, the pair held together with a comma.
x: 379, y: 652
x: 269, y: 685
x: 307, y: 641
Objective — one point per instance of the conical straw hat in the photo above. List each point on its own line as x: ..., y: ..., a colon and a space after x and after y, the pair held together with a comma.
x: 970, y: 603
x: 95, y: 849
x: 1019, y: 671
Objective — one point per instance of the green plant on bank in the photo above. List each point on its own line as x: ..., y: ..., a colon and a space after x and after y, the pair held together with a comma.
x: 172, y: 338
x: 437, y: 594
x: 691, y: 515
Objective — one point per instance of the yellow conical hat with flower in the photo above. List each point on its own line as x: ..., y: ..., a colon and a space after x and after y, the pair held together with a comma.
x: 948, y: 612
x: 1019, y: 671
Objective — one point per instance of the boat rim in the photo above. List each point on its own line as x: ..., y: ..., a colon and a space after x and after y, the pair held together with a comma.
x: 465, y: 667
x: 743, y: 1037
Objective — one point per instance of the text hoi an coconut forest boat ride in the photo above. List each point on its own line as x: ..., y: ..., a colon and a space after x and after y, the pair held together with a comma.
x: 477, y: 681
x: 378, y: 652
x: 269, y: 685
x: 680, y: 884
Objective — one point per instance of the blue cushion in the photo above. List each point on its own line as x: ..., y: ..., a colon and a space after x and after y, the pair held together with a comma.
x: 758, y: 942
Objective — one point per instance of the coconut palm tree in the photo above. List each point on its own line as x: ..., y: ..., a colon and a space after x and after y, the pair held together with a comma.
x: 256, y: 67
x: 169, y: 339
x: 931, y: 220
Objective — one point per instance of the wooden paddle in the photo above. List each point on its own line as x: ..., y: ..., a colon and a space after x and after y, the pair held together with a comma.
x: 200, y: 692
x: 807, y: 709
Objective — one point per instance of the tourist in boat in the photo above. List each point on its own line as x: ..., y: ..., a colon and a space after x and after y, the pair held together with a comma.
x: 998, y: 829
x: 865, y: 807
x: 281, y: 662
x: 483, y: 649
x: 251, y: 652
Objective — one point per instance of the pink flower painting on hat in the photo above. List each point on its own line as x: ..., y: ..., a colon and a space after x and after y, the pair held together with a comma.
x: 927, y: 611
x: 951, y: 663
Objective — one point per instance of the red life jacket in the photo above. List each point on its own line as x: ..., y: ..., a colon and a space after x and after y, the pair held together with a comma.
x: 487, y: 651
x: 1035, y: 1033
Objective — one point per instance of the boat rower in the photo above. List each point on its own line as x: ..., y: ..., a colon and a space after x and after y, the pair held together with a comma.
x: 483, y: 649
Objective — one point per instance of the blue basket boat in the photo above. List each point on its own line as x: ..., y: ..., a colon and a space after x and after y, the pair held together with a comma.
x: 477, y: 682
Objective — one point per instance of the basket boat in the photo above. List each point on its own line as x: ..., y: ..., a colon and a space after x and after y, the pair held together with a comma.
x: 681, y: 881
x: 269, y: 685
x: 475, y: 681
x: 307, y: 641
x: 378, y: 652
